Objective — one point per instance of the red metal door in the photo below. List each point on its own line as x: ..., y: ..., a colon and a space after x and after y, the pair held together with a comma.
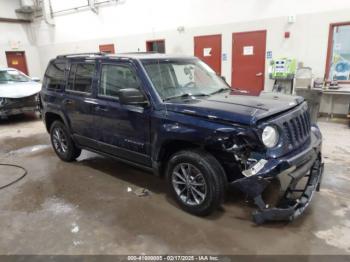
x: 155, y: 46
x: 109, y: 48
x: 208, y: 49
x: 248, y: 61
x: 17, y: 60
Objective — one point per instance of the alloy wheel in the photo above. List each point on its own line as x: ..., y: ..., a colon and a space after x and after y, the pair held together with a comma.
x: 189, y: 184
x: 59, y: 140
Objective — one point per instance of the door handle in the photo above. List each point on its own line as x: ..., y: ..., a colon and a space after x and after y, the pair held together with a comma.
x: 259, y: 74
x: 101, y: 108
x: 68, y: 102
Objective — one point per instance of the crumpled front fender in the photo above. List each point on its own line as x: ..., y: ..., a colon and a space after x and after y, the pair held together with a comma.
x: 289, y: 170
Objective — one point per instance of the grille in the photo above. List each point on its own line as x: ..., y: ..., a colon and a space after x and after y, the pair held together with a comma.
x: 297, y: 129
x: 28, y: 101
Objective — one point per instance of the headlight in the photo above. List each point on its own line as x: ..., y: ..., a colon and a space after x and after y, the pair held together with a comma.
x: 270, y: 136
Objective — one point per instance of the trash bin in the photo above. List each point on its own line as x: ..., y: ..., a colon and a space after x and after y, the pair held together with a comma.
x: 313, y: 99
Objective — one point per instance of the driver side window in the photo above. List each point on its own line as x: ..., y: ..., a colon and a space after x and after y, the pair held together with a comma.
x: 116, y: 77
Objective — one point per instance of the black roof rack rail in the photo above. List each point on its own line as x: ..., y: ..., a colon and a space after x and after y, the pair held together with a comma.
x: 82, y: 54
x: 141, y: 53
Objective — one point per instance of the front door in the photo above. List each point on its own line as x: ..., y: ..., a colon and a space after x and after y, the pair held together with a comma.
x: 248, y: 61
x: 208, y: 49
x: 17, y: 60
x: 123, y: 130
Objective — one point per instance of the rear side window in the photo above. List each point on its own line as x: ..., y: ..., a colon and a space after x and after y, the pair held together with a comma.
x: 54, y: 76
x: 80, y: 77
x: 116, y: 77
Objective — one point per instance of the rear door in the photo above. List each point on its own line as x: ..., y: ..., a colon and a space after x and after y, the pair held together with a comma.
x: 208, y: 49
x: 78, y: 102
x: 248, y: 61
x: 123, y: 130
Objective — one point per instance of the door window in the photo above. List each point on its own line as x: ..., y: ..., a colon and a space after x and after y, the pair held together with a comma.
x: 80, y: 77
x: 54, y: 76
x: 116, y: 77
x: 340, y: 54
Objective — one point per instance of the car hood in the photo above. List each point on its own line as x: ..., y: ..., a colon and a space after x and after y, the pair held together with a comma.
x: 19, y: 89
x: 236, y: 108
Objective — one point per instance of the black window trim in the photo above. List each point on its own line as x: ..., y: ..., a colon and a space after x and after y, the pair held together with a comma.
x: 75, y: 91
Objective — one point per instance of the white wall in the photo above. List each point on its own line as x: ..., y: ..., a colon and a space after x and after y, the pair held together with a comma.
x: 21, y: 34
x: 130, y: 23
x: 131, y: 17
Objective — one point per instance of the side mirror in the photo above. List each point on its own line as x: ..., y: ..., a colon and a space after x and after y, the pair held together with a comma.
x: 35, y: 79
x: 131, y: 96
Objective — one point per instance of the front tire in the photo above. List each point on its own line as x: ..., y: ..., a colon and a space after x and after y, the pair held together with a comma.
x: 197, y: 181
x: 62, y: 142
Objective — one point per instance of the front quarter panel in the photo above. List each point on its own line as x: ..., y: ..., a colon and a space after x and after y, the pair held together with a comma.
x: 205, y: 133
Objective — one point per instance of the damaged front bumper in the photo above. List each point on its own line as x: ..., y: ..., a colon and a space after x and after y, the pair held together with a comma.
x: 16, y: 106
x: 304, y: 168
x: 17, y: 111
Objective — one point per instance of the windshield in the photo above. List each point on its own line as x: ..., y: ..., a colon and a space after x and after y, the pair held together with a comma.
x: 185, y: 77
x: 13, y: 76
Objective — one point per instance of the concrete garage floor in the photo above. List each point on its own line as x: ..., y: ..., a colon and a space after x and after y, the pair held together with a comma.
x: 85, y: 208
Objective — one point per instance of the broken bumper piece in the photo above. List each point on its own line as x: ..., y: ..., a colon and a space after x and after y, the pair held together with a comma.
x: 298, y: 177
x: 15, y: 106
x: 17, y: 111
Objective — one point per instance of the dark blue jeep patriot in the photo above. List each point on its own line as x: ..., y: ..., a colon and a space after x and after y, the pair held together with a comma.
x: 176, y: 117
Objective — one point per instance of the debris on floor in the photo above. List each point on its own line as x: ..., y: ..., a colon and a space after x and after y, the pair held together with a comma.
x: 141, y: 192
x: 75, y: 228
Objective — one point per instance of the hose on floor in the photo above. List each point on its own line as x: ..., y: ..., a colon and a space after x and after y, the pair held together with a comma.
x: 25, y: 172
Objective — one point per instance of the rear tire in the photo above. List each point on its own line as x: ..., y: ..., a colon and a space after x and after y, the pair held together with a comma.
x: 197, y: 181
x: 62, y: 142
